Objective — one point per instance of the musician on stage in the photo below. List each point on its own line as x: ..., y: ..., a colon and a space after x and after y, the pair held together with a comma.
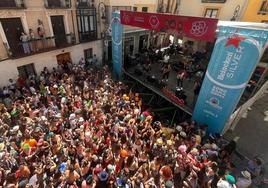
x: 165, y: 71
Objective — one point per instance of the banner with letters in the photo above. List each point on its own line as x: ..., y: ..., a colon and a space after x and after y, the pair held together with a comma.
x: 235, y: 56
x: 198, y: 28
x: 117, y: 36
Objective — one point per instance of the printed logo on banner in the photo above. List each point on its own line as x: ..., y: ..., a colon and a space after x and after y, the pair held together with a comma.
x: 126, y: 18
x: 117, y: 39
x: 225, y: 77
x: 193, y: 27
x: 154, y: 22
x: 199, y: 28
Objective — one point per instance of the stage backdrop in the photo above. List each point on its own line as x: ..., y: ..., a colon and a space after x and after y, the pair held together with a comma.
x: 117, y: 32
x: 193, y: 27
x: 234, y: 58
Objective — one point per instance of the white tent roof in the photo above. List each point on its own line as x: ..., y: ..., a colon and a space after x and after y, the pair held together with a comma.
x: 249, y: 25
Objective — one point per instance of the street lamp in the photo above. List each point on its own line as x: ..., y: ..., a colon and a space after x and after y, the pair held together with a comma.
x: 102, y: 10
x: 236, y: 11
x: 102, y: 16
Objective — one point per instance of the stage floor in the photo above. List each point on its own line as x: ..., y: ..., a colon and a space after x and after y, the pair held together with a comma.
x: 171, y: 84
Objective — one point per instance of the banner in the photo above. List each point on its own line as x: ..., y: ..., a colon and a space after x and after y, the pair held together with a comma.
x: 235, y: 56
x: 193, y: 27
x: 117, y: 33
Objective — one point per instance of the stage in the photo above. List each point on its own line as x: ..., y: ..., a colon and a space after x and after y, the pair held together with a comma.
x: 171, y: 85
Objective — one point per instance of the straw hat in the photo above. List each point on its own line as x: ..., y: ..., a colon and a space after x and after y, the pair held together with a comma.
x: 169, y: 142
x: 183, y: 134
x: 159, y: 141
x: 179, y: 128
x: 246, y: 174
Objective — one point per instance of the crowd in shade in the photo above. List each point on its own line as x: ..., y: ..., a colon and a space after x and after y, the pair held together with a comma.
x: 75, y: 127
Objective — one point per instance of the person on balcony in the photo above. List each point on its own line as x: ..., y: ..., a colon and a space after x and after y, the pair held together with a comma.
x: 32, y: 41
x: 25, y: 43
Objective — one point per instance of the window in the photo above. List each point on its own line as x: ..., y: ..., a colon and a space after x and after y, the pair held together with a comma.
x: 87, y: 24
x: 211, y: 13
x: 135, y: 9
x: 144, y: 9
x: 264, y: 7
x: 88, y: 54
x: 26, y: 70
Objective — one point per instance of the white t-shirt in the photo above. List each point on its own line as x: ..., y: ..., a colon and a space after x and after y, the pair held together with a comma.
x: 224, y: 184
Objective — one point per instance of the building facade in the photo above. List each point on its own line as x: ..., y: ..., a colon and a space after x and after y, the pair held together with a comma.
x: 221, y: 9
x: 256, y: 11
x: 45, y: 33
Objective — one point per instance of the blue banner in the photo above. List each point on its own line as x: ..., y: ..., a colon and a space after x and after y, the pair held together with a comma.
x: 117, y: 33
x: 235, y: 56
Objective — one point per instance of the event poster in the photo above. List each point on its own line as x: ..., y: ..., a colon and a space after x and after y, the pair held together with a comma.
x: 198, y: 28
x: 234, y: 58
x: 117, y: 33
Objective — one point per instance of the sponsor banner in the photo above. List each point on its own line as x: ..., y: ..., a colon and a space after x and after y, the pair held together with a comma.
x: 117, y: 33
x: 193, y: 27
x: 235, y: 56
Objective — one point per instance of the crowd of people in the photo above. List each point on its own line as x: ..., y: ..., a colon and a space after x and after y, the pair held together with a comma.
x: 76, y: 127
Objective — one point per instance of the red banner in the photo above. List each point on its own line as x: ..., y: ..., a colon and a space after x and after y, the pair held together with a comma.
x: 192, y: 27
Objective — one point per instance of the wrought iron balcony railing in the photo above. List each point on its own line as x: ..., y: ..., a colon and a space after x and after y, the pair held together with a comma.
x: 39, y: 45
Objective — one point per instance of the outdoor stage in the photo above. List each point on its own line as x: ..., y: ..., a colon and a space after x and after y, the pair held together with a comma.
x: 171, y: 85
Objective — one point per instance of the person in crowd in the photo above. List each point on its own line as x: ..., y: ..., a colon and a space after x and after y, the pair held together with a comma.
x: 255, y: 167
x: 79, y: 128
x: 244, y: 181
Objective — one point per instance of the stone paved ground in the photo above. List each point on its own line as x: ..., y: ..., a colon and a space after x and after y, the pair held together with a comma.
x: 253, y: 133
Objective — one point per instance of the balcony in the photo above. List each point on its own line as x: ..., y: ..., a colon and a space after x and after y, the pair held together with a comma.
x: 51, y: 4
x: 213, y: 1
x: 39, y: 45
x: 12, y: 4
x: 84, y: 3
